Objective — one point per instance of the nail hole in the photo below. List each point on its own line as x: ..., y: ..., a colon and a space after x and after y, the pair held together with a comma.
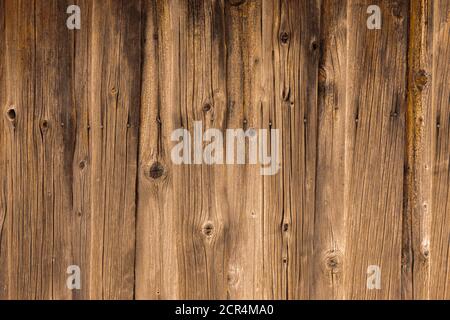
x: 44, y: 125
x: 314, y: 45
x: 206, y: 107
x: 11, y: 113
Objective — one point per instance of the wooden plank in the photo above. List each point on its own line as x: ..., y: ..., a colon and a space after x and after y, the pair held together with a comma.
x: 440, y: 133
x: 290, y: 62
x: 376, y: 82
x: 244, y: 215
x: 3, y: 157
x: 114, y: 95
x: 274, y: 271
x: 296, y: 83
x: 54, y: 127
x: 330, y: 210
x: 197, y: 244
x: 70, y: 139
x: 3, y: 153
x: 81, y: 190
x: 23, y: 232
x: 159, y: 204
x: 427, y: 233
x: 418, y: 174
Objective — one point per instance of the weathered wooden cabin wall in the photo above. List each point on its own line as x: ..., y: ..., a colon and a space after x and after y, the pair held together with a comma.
x: 85, y: 149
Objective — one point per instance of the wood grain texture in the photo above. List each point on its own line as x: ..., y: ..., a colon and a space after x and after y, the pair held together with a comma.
x: 331, y: 186
x: 69, y: 134
x: 376, y: 79
x: 87, y: 177
x: 426, y: 227
x: 439, y: 236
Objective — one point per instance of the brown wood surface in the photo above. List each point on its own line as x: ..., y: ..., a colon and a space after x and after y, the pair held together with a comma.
x: 85, y: 149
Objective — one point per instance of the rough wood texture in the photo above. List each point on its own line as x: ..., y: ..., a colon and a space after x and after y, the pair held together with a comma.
x: 70, y: 102
x: 426, y: 269
x: 85, y: 149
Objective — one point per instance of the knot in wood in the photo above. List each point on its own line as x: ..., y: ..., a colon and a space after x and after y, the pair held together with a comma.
x: 44, y: 126
x: 425, y: 251
x: 156, y: 171
x: 82, y: 164
x: 206, y: 107
x: 333, y: 260
x: 284, y: 37
x: 208, y: 229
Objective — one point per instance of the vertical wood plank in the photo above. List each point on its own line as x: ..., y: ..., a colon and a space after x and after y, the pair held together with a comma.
x: 3, y: 158
x: 376, y: 81
x: 207, y: 230
x: 440, y: 133
x: 426, y: 235
x: 330, y: 210
x: 243, y: 185
x: 418, y: 173
x: 69, y: 187
x: 159, y: 216
x: 296, y: 97
x: 290, y: 64
x: 114, y: 94
x: 3, y: 154
x: 21, y: 223
x: 273, y: 267
x: 82, y: 210
x: 55, y: 128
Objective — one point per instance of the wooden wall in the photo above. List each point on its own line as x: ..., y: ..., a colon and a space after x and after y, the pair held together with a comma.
x: 87, y: 178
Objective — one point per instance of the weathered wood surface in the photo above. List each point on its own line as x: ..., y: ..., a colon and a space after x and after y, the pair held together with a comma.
x: 85, y: 149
